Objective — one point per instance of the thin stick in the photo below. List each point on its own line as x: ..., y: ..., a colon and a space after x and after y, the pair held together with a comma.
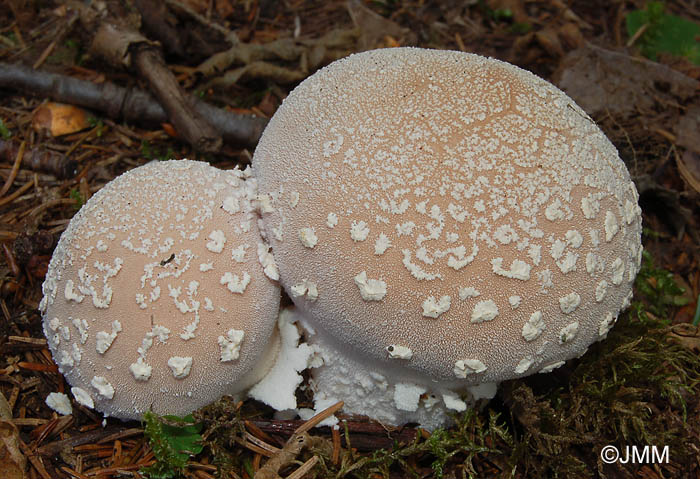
x: 15, y: 169
x: 335, y: 434
x: 304, y: 468
x: 326, y: 413
x: 10, y: 198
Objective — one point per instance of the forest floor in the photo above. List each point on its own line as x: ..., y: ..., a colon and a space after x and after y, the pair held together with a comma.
x: 640, y: 387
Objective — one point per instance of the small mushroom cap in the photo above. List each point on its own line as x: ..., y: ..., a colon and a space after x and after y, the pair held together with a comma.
x: 453, y: 214
x: 155, y: 297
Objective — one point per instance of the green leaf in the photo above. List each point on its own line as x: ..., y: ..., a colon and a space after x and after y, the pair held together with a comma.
x: 5, y: 133
x: 173, y: 440
x: 664, y: 33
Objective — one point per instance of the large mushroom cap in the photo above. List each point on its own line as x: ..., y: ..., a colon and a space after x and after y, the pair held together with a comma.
x: 452, y: 214
x: 155, y: 296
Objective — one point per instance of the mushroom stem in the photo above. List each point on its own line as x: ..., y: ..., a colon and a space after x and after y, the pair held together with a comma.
x: 390, y: 394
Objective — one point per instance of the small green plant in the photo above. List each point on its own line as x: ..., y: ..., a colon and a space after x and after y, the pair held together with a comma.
x: 5, y: 132
x: 151, y: 153
x: 173, y: 440
x: 664, y: 33
x: 77, y: 196
x: 660, y: 290
x: 96, y: 123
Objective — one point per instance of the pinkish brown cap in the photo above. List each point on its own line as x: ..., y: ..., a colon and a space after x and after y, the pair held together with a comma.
x: 446, y: 217
x: 160, y: 294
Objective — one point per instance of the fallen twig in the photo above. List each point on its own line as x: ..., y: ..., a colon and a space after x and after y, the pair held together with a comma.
x: 281, y: 458
x: 123, y: 47
x: 131, y: 104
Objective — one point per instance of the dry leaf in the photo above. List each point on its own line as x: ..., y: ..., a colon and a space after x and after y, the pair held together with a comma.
x: 688, y: 136
x: 60, y: 119
x: 686, y: 335
x: 375, y: 28
x: 12, y: 461
x: 603, y: 81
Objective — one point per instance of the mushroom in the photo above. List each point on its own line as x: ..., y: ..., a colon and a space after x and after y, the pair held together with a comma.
x: 442, y: 222
x: 161, y: 295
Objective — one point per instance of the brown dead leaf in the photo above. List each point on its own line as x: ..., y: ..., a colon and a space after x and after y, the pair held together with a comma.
x: 686, y: 335
x: 12, y: 461
x: 689, y: 168
x: 603, y: 81
x: 549, y: 41
x: 60, y: 119
x: 688, y: 136
x: 375, y: 28
x: 570, y: 34
x: 688, y: 129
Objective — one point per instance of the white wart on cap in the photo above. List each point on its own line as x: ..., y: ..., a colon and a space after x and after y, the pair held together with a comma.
x: 160, y: 293
x: 458, y: 220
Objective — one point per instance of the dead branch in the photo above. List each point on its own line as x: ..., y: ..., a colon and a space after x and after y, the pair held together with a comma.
x: 39, y: 159
x: 54, y: 448
x: 130, y: 104
x: 123, y: 47
x: 365, y: 436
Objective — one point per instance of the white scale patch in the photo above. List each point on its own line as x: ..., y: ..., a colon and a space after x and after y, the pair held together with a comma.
x: 332, y: 220
x: 464, y: 367
x: 459, y: 261
x: 231, y: 205
x: 293, y: 199
x: 230, y: 345
x: 238, y: 253
x: 104, y: 388
x: 307, y: 288
x: 551, y: 367
x: 611, y: 226
x: 407, y: 396
x: 399, y: 352
x: 217, y: 241
x: 468, y: 292
x: 83, y: 397
x: 82, y: 326
x: 524, y: 365
x: 568, y: 333
x: 234, y: 283
x: 308, y: 237
x: 534, y: 326
x: 518, y: 269
x: 405, y: 229
x: 381, y: 244
x: 590, y: 207
x: 264, y: 204
x: 569, y: 303
x: 359, y: 231
x: 372, y: 289
x: 514, y: 301
x: 140, y: 370
x: 618, y: 271
x: 60, y: 403
x: 70, y: 294
x: 433, y: 308
x: 267, y: 261
x: 104, y: 339
x: 554, y: 211
x: 606, y: 324
x: 600, y: 291
x: 574, y: 238
x: 180, y: 366
x: 484, y: 311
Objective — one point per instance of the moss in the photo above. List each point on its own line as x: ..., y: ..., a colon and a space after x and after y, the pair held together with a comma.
x: 635, y: 388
